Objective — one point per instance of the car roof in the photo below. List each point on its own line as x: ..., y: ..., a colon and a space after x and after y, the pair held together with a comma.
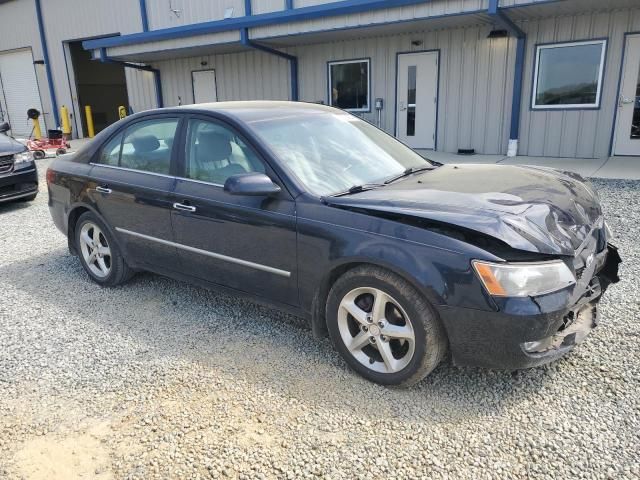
x: 251, y: 111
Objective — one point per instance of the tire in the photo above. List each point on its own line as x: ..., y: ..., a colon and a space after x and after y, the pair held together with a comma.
x: 39, y: 154
x: 116, y: 271
x: 406, y: 313
x: 60, y: 151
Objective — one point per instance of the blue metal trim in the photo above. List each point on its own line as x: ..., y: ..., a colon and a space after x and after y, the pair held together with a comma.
x: 395, y: 110
x: 617, y: 99
x: 45, y: 55
x: 247, y: 8
x: 516, y: 99
x: 369, y: 82
x: 156, y: 73
x: 285, y: 16
x: 288, y: 4
x: 293, y: 60
x: 569, y: 109
x: 144, y: 15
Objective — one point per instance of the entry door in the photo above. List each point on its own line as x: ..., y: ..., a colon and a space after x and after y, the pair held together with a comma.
x: 20, y: 89
x: 628, y: 123
x: 244, y: 242
x: 417, y: 95
x: 204, y: 86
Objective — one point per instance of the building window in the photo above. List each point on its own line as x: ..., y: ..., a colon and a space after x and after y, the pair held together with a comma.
x: 349, y: 85
x: 569, y: 75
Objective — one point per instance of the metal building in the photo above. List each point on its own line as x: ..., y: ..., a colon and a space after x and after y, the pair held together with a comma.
x: 557, y: 78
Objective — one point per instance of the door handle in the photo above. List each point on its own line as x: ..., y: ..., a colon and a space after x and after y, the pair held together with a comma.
x: 103, y: 190
x: 626, y: 101
x: 184, y: 208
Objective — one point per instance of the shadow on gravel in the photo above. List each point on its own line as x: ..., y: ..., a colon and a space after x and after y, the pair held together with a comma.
x: 14, y: 206
x: 235, y: 339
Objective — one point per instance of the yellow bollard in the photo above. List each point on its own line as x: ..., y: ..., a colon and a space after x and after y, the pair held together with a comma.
x: 122, y: 111
x: 37, y: 133
x: 90, y: 128
x: 66, y: 122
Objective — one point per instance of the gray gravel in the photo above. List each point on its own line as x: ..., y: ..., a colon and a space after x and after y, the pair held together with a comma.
x: 160, y: 379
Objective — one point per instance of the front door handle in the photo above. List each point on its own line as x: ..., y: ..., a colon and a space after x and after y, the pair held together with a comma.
x: 103, y: 190
x: 184, y: 208
x: 626, y: 101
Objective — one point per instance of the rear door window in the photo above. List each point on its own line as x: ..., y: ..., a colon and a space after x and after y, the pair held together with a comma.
x: 144, y: 146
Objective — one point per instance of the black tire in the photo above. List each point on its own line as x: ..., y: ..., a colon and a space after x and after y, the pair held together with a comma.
x: 61, y: 151
x: 430, y: 338
x: 39, y: 154
x: 119, y: 270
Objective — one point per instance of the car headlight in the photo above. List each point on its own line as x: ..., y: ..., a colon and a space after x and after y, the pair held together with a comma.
x: 21, y: 159
x: 524, y: 279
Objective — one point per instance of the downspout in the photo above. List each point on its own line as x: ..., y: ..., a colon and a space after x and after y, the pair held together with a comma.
x: 293, y: 60
x: 156, y: 73
x: 516, y: 101
x: 45, y: 56
x: 144, y: 16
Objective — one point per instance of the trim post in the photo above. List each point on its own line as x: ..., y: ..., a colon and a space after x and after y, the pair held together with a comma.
x: 144, y: 15
x: 45, y: 55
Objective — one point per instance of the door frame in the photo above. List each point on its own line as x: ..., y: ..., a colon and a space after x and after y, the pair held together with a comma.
x: 395, y: 103
x: 612, y: 145
x: 215, y: 78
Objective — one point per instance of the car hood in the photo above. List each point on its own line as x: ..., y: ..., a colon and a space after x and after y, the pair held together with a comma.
x: 10, y: 146
x: 530, y: 208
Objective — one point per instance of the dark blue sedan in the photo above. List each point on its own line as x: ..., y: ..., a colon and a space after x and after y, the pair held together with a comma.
x: 398, y: 259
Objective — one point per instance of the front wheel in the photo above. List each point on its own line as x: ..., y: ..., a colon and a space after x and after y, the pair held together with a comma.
x: 99, y: 253
x: 383, y: 327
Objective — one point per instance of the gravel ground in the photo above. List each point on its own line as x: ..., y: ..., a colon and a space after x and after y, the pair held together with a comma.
x: 160, y: 379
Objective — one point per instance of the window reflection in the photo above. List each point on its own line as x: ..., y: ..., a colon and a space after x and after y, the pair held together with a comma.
x: 411, y: 101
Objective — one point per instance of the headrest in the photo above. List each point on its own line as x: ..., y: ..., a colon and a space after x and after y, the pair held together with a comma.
x: 213, y: 146
x: 145, y: 143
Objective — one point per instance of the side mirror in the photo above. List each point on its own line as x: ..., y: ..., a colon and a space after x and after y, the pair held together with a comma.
x: 4, y: 127
x: 250, y: 184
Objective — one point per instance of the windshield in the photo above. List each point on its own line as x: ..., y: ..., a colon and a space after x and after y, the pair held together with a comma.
x: 332, y: 152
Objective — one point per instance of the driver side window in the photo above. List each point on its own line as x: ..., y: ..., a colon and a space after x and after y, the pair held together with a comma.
x: 214, y: 153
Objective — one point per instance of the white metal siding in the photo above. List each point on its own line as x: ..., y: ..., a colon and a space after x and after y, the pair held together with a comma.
x: 475, y: 81
x: 141, y: 89
x: 266, y: 6
x: 575, y: 133
x: 188, y: 11
x: 432, y: 9
x: 241, y: 76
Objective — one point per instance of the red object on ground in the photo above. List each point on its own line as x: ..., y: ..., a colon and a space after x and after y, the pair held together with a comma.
x: 55, y: 141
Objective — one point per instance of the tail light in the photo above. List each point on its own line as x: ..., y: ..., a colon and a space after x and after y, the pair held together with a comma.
x: 51, y: 175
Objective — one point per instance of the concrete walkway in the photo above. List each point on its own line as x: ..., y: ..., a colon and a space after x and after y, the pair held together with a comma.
x: 614, y: 167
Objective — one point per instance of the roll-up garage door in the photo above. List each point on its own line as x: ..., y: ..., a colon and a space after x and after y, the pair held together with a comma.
x: 19, y: 90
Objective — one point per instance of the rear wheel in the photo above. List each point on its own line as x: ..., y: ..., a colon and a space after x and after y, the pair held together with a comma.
x: 99, y: 253
x: 383, y: 327
x: 39, y: 154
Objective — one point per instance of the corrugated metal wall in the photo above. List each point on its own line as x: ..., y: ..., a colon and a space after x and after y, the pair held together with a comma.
x: 575, y: 133
x: 240, y: 76
x: 432, y: 9
x: 475, y: 81
x: 172, y: 13
x: 141, y: 89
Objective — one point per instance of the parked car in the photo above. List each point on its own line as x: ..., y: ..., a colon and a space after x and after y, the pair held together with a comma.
x: 308, y: 208
x: 18, y: 173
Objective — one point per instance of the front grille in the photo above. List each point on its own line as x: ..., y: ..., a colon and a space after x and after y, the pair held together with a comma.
x: 6, y: 163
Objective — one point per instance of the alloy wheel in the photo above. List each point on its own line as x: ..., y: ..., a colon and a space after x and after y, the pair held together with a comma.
x: 95, y: 250
x: 376, y: 330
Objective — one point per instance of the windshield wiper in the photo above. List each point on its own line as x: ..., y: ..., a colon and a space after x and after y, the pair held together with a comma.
x: 409, y: 171
x: 358, y: 189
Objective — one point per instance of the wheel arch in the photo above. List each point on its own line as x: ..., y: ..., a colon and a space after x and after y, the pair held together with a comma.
x: 74, y: 214
x: 318, y: 317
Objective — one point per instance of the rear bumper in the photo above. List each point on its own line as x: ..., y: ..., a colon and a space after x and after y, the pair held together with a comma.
x: 18, y: 184
x: 527, y: 332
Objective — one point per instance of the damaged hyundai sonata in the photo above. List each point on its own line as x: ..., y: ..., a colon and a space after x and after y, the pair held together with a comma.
x: 398, y: 259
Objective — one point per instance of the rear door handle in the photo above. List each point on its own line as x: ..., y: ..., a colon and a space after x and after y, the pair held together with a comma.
x: 184, y: 208
x: 103, y: 190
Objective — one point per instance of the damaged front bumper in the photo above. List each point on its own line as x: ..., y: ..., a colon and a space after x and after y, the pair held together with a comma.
x: 527, y: 332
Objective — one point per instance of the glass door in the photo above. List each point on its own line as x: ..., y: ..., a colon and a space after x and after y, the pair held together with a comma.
x: 628, y: 123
